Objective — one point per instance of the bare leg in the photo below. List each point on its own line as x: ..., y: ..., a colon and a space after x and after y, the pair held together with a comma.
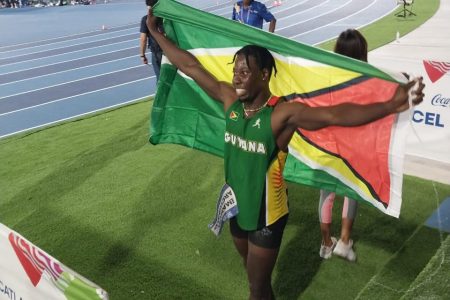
x: 325, y: 228
x: 260, y: 264
x: 325, y: 216
x: 344, y: 246
x: 348, y: 217
x: 346, y: 229
x: 241, y: 245
x: 259, y: 251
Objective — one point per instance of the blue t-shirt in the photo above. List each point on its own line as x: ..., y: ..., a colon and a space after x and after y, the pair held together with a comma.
x: 254, y: 15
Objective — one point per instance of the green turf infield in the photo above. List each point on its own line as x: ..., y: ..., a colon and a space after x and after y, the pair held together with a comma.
x: 385, y: 30
x: 433, y: 282
x: 133, y: 217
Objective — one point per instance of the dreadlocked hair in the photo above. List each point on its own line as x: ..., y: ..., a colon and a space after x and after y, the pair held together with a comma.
x: 263, y: 58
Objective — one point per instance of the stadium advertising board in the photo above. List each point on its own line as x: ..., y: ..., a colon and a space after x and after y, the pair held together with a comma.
x: 29, y: 273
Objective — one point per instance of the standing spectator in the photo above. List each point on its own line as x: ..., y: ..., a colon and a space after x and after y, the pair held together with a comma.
x: 147, y: 39
x: 350, y: 43
x: 253, y: 13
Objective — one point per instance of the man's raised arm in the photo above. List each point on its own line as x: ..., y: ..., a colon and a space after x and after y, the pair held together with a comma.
x: 294, y: 115
x: 189, y: 65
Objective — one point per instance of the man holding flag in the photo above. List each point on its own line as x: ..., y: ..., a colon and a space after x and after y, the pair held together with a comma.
x: 259, y: 127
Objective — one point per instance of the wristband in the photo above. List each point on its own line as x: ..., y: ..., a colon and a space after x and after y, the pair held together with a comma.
x: 142, y: 56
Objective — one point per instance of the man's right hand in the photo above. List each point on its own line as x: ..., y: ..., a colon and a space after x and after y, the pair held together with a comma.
x: 413, y: 89
x: 144, y: 59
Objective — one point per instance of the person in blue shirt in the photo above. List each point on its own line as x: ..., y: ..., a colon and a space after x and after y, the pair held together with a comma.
x: 253, y: 13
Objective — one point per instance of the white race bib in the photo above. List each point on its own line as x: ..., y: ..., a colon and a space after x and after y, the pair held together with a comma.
x: 226, y: 209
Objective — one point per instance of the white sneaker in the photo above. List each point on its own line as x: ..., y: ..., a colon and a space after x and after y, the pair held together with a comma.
x: 327, y: 251
x: 345, y: 250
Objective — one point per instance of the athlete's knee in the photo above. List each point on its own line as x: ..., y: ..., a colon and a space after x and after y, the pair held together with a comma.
x: 260, y: 289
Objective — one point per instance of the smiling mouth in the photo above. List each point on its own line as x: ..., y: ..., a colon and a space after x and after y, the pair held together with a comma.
x: 241, y: 92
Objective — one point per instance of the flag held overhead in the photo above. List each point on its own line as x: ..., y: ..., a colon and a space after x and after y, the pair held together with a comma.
x: 363, y: 162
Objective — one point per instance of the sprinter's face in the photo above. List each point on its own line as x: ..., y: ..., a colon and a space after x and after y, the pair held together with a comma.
x: 247, y: 78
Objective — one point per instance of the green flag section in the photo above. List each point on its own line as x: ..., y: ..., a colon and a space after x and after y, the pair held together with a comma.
x: 28, y: 272
x: 363, y: 162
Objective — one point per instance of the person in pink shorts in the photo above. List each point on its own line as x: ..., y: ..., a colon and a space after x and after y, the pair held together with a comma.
x: 350, y: 43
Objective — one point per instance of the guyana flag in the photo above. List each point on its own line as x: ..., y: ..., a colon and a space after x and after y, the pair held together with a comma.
x: 364, y: 163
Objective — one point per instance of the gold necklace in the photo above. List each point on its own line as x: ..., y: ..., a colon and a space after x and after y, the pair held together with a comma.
x: 251, y: 110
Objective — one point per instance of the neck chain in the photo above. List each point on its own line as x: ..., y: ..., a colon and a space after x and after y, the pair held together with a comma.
x: 247, y: 111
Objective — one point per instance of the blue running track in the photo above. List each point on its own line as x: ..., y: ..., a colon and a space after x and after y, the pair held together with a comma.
x: 58, y: 63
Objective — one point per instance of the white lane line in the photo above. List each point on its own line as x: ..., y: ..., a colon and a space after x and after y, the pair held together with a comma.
x: 72, y: 81
x: 58, y: 38
x: 287, y: 7
x: 355, y: 13
x: 229, y: 8
x: 60, y: 42
x: 76, y: 116
x: 73, y: 45
x: 315, y: 16
x: 70, y: 70
x: 71, y: 52
x: 212, y: 6
x: 304, y: 21
x: 363, y: 25
x: 302, y: 12
x: 65, y: 98
x: 65, y: 61
x: 284, y: 8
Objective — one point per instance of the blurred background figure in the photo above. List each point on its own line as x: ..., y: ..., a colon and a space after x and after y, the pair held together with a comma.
x: 147, y: 41
x: 253, y: 13
x: 350, y: 43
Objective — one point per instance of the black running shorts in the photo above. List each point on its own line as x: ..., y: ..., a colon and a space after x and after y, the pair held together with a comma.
x: 266, y: 237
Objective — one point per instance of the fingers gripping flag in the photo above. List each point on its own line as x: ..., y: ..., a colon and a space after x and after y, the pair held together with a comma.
x: 364, y: 162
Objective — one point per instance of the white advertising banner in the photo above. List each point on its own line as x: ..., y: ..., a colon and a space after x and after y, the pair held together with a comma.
x: 430, y: 137
x: 425, y: 51
x: 430, y: 134
x: 29, y: 273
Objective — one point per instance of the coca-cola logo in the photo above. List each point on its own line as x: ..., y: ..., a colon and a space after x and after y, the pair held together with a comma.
x: 439, y: 100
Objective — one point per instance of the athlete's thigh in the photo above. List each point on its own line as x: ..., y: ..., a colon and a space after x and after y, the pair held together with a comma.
x: 260, y: 264
x: 240, y: 239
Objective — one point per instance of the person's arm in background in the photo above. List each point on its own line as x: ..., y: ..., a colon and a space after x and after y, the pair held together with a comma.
x: 143, y: 40
x: 272, y: 25
x: 268, y: 17
x: 234, y: 14
x: 143, y: 47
